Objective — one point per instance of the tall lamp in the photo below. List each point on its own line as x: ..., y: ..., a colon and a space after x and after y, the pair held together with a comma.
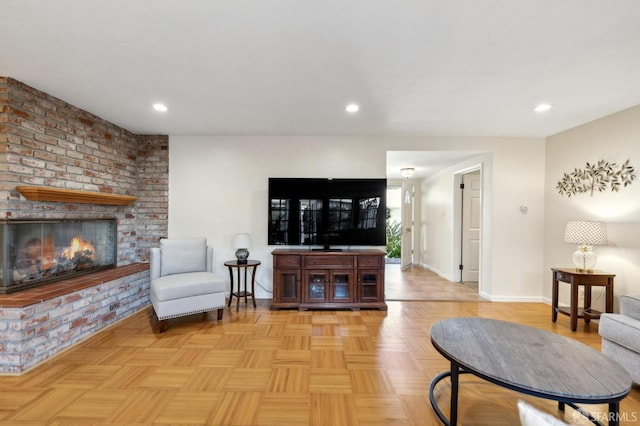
x: 242, y: 243
x: 585, y: 234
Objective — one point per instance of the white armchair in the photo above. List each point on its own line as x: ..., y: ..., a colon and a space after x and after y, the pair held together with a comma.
x: 182, y: 281
x: 621, y: 335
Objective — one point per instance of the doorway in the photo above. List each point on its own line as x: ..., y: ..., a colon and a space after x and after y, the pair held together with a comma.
x: 437, y: 211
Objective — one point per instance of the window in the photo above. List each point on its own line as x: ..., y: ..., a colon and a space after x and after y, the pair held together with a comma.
x: 310, y: 220
x: 368, y: 212
x: 340, y: 214
x: 279, y: 220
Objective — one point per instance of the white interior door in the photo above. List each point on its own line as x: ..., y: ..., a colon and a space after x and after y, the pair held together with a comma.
x: 406, y: 253
x: 471, y: 219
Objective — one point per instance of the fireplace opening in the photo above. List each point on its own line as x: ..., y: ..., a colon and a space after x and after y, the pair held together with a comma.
x: 34, y: 253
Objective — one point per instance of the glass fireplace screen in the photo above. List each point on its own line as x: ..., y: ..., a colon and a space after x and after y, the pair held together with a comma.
x: 34, y: 253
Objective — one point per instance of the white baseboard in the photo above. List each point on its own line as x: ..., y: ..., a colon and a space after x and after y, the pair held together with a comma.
x: 528, y: 299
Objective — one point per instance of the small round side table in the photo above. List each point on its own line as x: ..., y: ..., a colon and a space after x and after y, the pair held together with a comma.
x: 249, y: 264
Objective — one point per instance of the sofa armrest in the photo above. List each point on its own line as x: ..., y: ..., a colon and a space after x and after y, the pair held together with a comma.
x: 630, y: 306
x: 154, y: 263
x: 209, y: 259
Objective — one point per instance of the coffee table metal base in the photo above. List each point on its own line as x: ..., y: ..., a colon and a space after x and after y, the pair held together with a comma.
x: 453, y: 415
x: 456, y: 371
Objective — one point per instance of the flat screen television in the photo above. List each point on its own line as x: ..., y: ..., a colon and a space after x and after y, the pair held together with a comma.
x: 327, y: 212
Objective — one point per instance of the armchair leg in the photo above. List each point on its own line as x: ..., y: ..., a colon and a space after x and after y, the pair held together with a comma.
x: 162, y: 324
x: 220, y: 312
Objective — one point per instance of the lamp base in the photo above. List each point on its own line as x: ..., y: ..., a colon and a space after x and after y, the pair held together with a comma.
x: 242, y: 254
x: 584, y: 259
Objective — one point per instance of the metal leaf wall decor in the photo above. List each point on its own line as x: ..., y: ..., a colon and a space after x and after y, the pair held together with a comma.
x: 599, y: 177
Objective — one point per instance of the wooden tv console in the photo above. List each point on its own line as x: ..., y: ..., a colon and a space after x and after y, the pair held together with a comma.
x: 309, y: 279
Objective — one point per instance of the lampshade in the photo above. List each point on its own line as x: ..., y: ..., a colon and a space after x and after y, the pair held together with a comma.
x: 241, y: 241
x: 585, y: 234
x: 407, y: 172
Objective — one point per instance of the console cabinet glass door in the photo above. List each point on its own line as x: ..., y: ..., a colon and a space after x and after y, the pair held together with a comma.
x: 370, y: 285
x: 327, y: 286
x: 341, y: 286
x: 286, y: 285
x: 317, y: 284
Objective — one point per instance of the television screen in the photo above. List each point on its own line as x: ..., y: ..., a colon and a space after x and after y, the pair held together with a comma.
x: 326, y: 212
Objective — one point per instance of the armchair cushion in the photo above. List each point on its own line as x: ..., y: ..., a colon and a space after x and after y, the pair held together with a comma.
x: 531, y: 416
x: 178, y: 286
x: 180, y: 256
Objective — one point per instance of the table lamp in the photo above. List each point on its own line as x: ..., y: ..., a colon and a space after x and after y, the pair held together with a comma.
x: 242, y: 242
x: 585, y: 234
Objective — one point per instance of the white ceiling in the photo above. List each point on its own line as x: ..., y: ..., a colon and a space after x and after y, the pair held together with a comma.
x: 424, y: 163
x: 288, y: 67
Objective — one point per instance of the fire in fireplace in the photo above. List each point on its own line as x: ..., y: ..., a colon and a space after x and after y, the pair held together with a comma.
x: 80, y: 253
x: 34, y: 253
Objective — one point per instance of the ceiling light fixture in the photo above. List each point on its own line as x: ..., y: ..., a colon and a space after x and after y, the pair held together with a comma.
x: 160, y: 107
x: 352, y: 108
x: 542, y: 107
x: 407, y: 172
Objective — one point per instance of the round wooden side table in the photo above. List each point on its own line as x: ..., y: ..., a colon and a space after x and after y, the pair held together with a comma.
x: 244, y: 266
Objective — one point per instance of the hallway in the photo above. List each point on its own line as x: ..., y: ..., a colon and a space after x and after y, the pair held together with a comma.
x: 417, y: 283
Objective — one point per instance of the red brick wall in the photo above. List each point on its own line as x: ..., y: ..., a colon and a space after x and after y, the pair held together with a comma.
x: 152, y: 192
x: 45, y: 141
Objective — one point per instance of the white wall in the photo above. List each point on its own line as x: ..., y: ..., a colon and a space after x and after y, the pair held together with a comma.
x: 218, y: 187
x: 614, y: 138
x: 436, y: 224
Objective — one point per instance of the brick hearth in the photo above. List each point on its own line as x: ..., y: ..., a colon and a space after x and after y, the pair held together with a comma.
x: 38, y: 323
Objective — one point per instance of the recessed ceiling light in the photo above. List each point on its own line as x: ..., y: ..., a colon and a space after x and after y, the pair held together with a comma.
x: 352, y: 108
x: 542, y: 107
x: 160, y: 107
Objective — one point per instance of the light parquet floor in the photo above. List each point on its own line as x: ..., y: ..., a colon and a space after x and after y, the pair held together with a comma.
x: 262, y: 367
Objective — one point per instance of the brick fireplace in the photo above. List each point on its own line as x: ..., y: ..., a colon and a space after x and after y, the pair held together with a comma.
x: 47, y: 143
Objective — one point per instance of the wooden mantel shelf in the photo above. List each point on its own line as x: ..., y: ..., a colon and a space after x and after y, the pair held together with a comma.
x: 43, y: 193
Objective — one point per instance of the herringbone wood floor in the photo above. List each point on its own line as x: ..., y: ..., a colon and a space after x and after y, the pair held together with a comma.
x: 262, y: 367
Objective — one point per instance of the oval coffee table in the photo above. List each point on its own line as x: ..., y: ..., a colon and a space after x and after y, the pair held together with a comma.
x: 527, y: 360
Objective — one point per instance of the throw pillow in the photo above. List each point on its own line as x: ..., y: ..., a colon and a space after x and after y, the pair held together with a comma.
x: 181, y: 256
x: 531, y: 416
